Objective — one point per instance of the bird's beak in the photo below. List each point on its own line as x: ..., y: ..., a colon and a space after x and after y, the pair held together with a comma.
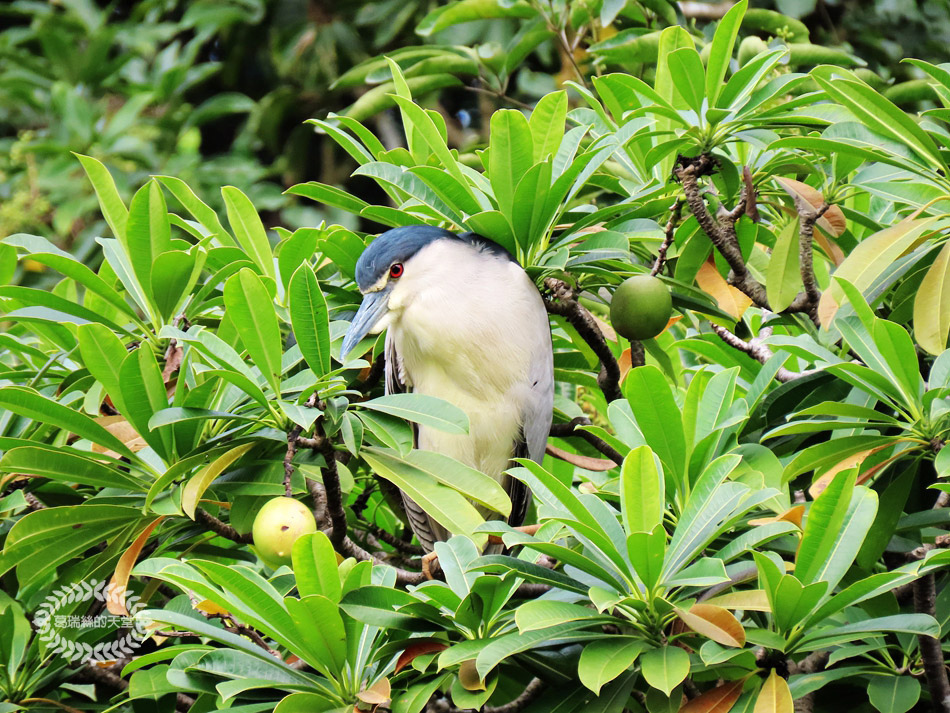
x: 368, y: 319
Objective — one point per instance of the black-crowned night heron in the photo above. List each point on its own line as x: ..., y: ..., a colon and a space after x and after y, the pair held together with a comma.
x: 466, y: 324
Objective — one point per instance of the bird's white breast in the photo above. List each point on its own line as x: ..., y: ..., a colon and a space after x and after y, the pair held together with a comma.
x: 466, y: 325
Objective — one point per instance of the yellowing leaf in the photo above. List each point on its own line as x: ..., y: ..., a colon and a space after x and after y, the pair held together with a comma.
x: 720, y: 699
x: 793, y: 515
x: 198, y: 483
x: 818, y: 487
x: 932, y: 305
x: 729, y: 299
x: 871, y: 257
x: 774, y: 696
x: 207, y: 606
x: 115, y: 600
x: 749, y: 600
x: 714, y: 622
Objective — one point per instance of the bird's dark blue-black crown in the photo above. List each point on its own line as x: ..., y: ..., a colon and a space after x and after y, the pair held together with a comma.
x: 400, y: 244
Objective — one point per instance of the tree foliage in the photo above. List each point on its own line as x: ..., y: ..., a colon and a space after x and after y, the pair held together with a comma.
x: 747, y: 511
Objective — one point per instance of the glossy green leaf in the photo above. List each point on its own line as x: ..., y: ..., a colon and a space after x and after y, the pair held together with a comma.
x: 894, y: 694
x: 782, y: 279
x: 603, y: 660
x: 689, y: 76
x: 425, y: 410
x: 248, y: 229
x: 310, y: 319
x: 547, y: 125
x: 932, y: 306
x: 642, y: 491
x: 113, y: 209
x: 510, y: 155
x: 721, y: 53
x: 665, y: 668
x: 30, y: 404
x: 250, y: 307
x: 195, y: 487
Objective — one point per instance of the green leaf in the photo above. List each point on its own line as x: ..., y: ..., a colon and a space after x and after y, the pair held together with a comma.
x: 658, y: 417
x: 148, y: 232
x: 143, y: 394
x: 721, y: 52
x: 251, y: 309
x: 894, y: 694
x: 173, y: 275
x: 603, y: 660
x: 422, y: 122
x: 665, y: 668
x: 510, y: 155
x: 66, y: 466
x: 318, y: 622
x: 920, y: 624
x: 315, y: 567
x: 444, y: 504
x: 642, y: 491
x: 195, y: 487
x: 932, y: 307
x: 113, y: 209
x: 248, y: 229
x: 310, y: 319
x: 508, y: 645
x: 422, y: 409
x: 688, y: 74
x: 199, y: 209
x: 30, y: 404
x: 329, y: 195
x: 545, y: 613
x: 103, y: 354
x: 547, y: 125
x: 823, y: 526
x: 782, y: 278
x: 879, y: 114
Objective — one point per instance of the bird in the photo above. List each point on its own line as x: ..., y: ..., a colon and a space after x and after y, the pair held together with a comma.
x: 467, y: 324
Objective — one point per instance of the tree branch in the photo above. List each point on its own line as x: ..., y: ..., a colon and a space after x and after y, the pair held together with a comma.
x: 931, y: 653
x: 759, y: 350
x: 288, y: 459
x: 221, y: 528
x: 561, y: 302
x: 676, y: 211
x: 565, y: 430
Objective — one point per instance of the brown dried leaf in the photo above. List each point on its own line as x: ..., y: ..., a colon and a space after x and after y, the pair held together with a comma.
x: 818, y: 487
x: 378, y: 694
x: 713, y: 622
x: 115, y: 600
x: 418, y: 648
x: 721, y: 699
x: 121, y: 429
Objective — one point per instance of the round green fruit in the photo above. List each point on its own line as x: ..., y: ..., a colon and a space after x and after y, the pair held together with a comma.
x: 277, y: 526
x: 641, y: 307
x: 751, y: 47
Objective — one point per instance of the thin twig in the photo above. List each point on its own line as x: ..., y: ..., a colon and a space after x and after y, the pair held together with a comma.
x: 670, y: 234
x: 561, y: 302
x: 565, y: 430
x: 351, y: 549
x: 331, y: 486
x: 760, y: 351
x: 221, y: 528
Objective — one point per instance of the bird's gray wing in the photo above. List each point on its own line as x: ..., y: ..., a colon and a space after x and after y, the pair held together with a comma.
x: 426, y: 529
x: 535, y: 426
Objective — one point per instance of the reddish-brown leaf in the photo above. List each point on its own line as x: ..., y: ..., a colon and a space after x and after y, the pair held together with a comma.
x: 418, y: 648
x: 720, y: 699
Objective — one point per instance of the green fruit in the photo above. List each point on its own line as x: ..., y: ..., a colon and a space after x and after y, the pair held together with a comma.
x: 277, y: 526
x: 641, y: 307
x: 750, y: 47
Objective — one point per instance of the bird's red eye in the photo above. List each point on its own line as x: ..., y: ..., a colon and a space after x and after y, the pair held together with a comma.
x: 396, y: 270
